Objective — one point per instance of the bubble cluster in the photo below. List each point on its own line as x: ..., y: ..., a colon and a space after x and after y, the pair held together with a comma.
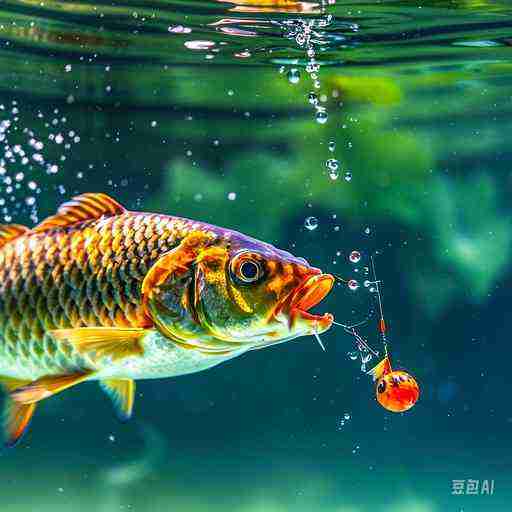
x: 346, y: 418
x: 25, y: 155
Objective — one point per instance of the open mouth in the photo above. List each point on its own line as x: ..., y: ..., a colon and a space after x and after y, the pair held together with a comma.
x: 311, y: 293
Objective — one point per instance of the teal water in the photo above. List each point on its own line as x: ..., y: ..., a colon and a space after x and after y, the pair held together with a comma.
x: 205, y: 109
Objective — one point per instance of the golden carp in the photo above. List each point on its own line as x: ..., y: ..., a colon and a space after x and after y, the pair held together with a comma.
x: 96, y: 292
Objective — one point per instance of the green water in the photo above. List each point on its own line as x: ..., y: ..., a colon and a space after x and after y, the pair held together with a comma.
x: 203, y: 109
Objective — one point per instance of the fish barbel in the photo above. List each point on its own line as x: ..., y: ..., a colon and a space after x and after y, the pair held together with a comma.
x: 97, y: 292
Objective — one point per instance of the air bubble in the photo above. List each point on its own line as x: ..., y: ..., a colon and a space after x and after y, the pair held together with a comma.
x: 355, y: 257
x: 346, y: 416
x: 332, y: 146
x: 321, y: 117
x: 313, y: 98
x: 332, y: 164
x: 348, y: 176
x: 293, y: 76
x: 353, y: 285
x: 232, y: 196
x: 352, y: 355
x: 311, y: 223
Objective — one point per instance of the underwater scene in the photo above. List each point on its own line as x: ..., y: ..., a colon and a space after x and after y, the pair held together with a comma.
x: 347, y: 169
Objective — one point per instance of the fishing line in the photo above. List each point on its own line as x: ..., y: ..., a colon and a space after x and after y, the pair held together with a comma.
x: 382, y: 323
x: 317, y: 336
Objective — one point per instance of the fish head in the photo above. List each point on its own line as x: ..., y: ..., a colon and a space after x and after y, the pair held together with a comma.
x: 240, y: 293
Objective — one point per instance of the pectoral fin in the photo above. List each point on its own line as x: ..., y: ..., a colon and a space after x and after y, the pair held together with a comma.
x: 46, y: 386
x: 122, y: 394
x: 16, y: 417
x: 98, y: 342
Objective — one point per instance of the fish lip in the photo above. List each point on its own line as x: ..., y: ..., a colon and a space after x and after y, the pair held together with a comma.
x: 310, y: 293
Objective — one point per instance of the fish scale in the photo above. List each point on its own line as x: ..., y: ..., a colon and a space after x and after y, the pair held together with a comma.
x: 87, y: 275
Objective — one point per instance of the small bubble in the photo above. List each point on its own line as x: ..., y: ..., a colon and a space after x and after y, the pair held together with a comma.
x: 332, y: 164
x: 353, y: 285
x: 352, y: 355
x: 311, y: 223
x: 293, y: 76
x: 334, y: 174
x: 346, y: 416
x: 313, y: 98
x: 111, y: 438
x: 311, y: 52
x: 68, y: 68
x: 355, y: 257
x: 348, y: 176
x: 367, y: 230
x: 232, y: 196
x: 321, y: 117
x: 231, y: 92
x: 367, y: 283
x: 332, y: 146
x: 153, y: 124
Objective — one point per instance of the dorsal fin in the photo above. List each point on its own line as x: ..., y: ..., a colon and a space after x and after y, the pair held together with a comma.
x: 80, y: 208
x: 9, y: 232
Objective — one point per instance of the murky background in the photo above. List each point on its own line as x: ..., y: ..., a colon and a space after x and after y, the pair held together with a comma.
x: 323, y: 129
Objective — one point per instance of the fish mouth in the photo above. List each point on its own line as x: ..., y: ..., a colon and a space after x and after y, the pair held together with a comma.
x: 312, y: 291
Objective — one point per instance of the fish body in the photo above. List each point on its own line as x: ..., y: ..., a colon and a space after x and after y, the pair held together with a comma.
x: 97, y: 292
x: 87, y: 275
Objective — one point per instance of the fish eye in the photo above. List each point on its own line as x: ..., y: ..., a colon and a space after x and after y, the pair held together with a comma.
x: 249, y: 271
x: 382, y: 386
x: 246, y: 269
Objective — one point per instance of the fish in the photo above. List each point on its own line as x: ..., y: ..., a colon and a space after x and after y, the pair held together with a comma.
x: 395, y: 390
x: 98, y: 292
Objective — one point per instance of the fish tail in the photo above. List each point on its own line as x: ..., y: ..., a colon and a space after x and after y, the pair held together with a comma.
x: 16, y: 416
x: 383, y: 368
